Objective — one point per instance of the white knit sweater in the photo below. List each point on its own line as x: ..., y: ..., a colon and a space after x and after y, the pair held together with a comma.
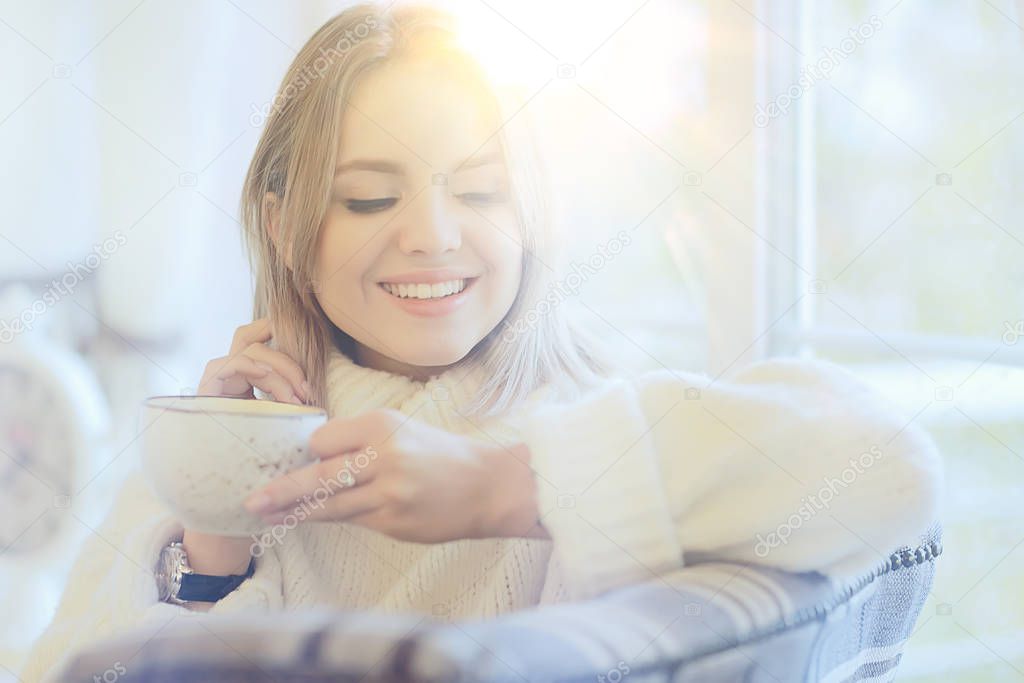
x: 635, y: 480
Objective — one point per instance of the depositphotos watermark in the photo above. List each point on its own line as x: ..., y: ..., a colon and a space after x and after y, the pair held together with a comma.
x: 812, y: 505
x: 59, y: 288
x: 817, y: 70
x: 310, y: 73
x: 344, y: 478
x: 112, y: 674
x: 1012, y: 332
x: 568, y: 286
x: 615, y: 675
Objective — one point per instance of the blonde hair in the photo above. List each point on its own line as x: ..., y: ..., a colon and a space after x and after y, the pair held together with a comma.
x: 295, y: 160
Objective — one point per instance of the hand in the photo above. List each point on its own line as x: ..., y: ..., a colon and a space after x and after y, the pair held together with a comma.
x: 388, y: 472
x: 250, y: 363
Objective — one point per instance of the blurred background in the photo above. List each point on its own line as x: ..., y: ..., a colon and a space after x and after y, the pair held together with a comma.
x: 838, y: 180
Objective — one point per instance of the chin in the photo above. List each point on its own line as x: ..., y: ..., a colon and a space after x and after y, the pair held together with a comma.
x: 424, y: 353
x: 435, y: 358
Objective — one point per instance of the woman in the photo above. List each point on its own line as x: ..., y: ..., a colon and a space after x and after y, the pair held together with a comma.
x: 398, y: 233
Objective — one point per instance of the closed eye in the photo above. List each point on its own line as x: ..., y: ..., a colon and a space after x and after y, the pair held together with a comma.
x: 370, y: 205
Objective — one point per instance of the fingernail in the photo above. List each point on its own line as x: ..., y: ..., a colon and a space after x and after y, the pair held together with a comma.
x: 258, y: 503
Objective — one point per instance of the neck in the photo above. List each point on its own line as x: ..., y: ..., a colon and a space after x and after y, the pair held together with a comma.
x: 370, y: 358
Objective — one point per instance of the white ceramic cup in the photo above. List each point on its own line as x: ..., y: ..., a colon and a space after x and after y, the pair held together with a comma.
x: 203, y: 455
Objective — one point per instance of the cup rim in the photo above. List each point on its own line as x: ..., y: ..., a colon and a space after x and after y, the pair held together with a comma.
x: 301, y: 412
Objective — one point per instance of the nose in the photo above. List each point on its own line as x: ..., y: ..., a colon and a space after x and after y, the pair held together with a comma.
x: 429, y: 225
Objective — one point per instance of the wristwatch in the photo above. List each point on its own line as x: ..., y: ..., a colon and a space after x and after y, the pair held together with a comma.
x: 178, y: 584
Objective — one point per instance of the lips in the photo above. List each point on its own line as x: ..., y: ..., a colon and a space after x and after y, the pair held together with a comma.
x: 429, y: 299
x: 430, y: 276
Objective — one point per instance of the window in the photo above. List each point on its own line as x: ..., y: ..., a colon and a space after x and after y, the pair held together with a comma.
x: 840, y: 181
x: 894, y: 201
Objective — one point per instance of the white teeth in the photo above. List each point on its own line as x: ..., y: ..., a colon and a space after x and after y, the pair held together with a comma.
x: 425, y: 291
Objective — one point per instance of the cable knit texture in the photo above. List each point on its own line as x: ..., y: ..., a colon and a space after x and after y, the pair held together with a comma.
x: 633, y: 479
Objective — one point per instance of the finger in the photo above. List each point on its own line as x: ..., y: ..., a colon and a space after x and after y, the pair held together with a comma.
x: 342, y: 506
x: 257, y: 331
x: 281, y: 364
x: 240, y: 365
x: 277, y: 386
x: 317, y: 480
x: 347, y: 434
x: 241, y: 372
x: 230, y: 376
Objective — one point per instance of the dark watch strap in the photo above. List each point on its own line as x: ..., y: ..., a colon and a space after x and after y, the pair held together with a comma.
x: 206, y: 588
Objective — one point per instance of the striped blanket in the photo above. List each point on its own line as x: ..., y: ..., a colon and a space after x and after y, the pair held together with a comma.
x: 707, y: 622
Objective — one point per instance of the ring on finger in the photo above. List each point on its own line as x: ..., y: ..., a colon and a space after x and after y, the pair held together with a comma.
x: 347, y: 476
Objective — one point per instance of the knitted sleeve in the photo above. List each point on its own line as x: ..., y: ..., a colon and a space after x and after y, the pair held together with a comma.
x: 791, y: 464
x: 111, y: 588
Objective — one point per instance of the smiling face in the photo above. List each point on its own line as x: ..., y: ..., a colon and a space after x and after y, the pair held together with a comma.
x: 420, y: 255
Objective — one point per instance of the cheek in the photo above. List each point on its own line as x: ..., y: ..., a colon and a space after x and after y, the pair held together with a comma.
x: 502, y: 256
x: 512, y: 254
x: 507, y: 266
x: 340, y: 265
x: 498, y: 243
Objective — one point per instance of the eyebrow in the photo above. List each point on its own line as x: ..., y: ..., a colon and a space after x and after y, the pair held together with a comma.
x: 379, y: 165
x: 482, y: 160
x: 393, y: 168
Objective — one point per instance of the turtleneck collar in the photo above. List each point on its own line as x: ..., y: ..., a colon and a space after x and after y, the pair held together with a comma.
x: 353, y: 388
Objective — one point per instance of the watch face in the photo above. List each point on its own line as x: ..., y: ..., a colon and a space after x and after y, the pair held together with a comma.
x: 168, y: 572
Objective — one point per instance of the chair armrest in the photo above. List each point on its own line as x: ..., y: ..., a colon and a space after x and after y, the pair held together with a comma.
x: 715, y: 621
